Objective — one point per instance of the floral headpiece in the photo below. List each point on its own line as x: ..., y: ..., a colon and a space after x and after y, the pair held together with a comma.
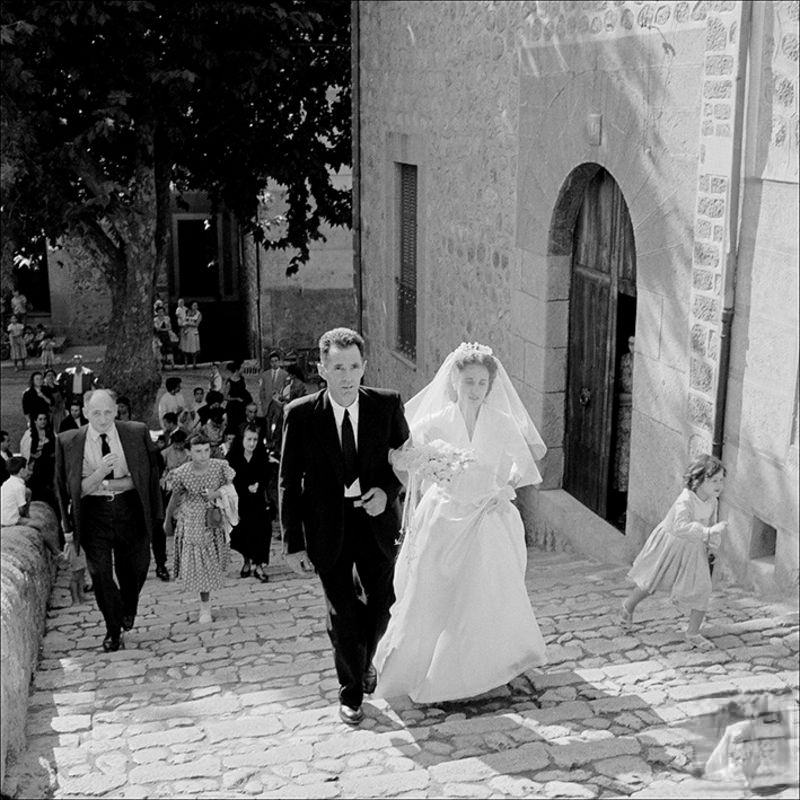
x: 469, y: 348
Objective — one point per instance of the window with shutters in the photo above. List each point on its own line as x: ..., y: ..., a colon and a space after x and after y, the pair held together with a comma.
x: 406, y: 279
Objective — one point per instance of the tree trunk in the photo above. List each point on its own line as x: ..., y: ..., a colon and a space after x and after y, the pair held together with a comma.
x: 131, y: 367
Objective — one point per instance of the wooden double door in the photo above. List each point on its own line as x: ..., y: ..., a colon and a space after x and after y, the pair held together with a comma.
x: 601, y: 317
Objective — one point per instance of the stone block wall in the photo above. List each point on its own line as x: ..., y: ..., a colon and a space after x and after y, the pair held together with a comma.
x: 27, y: 572
x: 498, y: 105
x: 491, y: 100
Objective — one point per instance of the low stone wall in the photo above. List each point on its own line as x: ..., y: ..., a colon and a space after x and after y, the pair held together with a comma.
x: 27, y: 573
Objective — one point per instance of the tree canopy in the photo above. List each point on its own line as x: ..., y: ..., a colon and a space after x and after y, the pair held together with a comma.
x: 222, y: 97
x: 110, y: 105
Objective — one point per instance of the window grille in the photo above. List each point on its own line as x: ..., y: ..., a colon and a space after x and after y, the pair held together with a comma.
x: 406, y: 281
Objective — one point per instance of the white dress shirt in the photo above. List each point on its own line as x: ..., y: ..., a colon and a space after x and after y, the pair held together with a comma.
x: 77, y: 381
x: 93, y: 455
x: 12, y: 498
x: 354, y: 490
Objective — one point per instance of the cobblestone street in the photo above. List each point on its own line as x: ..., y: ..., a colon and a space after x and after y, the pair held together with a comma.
x: 246, y: 706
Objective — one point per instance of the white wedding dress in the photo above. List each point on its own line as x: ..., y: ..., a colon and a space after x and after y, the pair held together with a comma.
x: 462, y: 623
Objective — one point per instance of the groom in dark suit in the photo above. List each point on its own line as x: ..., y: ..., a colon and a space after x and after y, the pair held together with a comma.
x: 107, y: 485
x: 339, y: 505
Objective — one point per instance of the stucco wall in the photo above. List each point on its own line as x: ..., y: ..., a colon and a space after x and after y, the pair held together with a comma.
x: 27, y: 572
x: 761, y: 440
x: 296, y: 309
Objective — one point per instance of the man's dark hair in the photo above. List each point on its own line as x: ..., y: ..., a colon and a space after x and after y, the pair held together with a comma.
x: 341, y: 338
x: 16, y: 464
x: 178, y: 437
x: 214, y: 396
x: 274, y: 354
x: 172, y: 383
x: 170, y: 416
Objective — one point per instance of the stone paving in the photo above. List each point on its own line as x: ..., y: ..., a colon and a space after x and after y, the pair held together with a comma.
x: 246, y: 706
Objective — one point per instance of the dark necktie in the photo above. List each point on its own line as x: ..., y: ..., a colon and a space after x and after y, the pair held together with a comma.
x: 105, y: 449
x: 349, y: 451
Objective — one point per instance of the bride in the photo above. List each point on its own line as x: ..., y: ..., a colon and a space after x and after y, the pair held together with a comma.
x: 462, y: 623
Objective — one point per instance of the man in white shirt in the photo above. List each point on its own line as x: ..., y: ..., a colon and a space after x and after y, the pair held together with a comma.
x: 76, y: 380
x: 172, y: 400
x: 107, y: 480
x: 339, y: 506
x: 271, y: 382
x: 14, y: 495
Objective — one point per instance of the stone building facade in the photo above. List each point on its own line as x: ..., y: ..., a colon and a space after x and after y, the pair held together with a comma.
x: 512, y: 117
x: 238, y: 290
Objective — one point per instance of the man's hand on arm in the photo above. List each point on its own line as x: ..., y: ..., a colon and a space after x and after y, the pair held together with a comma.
x: 374, y: 501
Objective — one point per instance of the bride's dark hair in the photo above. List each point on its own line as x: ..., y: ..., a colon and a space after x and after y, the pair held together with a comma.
x: 470, y: 357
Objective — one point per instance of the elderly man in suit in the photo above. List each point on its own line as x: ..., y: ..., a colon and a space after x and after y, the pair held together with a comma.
x: 107, y: 484
x: 339, y: 506
x: 76, y: 380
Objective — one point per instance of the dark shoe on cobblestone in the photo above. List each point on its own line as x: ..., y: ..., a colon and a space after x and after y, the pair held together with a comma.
x: 113, y: 643
x: 127, y: 622
x: 163, y: 573
x: 349, y: 715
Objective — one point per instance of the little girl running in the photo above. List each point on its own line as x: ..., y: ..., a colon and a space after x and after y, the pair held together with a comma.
x: 675, y: 556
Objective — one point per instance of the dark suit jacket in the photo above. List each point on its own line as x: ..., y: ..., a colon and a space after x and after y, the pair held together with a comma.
x: 141, y: 456
x: 88, y: 379
x: 311, y: 485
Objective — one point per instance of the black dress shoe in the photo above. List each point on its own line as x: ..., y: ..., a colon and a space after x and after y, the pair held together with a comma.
x: 244, y: 572
x: 163, y: 573
x: 350, y: 715
x: 127, y: 622
x: 370, y: 680
x: 260, y: 575
x: 113, y: 643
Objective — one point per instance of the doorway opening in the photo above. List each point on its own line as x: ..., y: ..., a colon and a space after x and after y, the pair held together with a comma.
x: 602, y: 318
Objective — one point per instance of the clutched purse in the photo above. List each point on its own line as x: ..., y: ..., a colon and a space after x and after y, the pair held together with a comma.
x: 214, y: 517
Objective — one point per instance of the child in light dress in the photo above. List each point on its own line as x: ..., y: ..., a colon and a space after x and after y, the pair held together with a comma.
x: 76, y: 564
x: 16, y: 341
x: 201, y: 535
x: 47, y: 347
x: 675, y: 556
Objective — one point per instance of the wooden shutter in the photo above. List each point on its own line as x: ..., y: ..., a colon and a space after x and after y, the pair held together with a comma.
x: 407, y: 279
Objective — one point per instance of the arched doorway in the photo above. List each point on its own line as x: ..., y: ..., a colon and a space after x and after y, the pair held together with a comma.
x: 602, y: 316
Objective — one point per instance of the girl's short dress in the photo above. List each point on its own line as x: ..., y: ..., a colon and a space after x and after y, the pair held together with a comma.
x: 16, y: 342
x: 201, y: 553
x: 674, y: 557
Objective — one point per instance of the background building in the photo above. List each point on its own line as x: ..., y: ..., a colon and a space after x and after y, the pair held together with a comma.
x: 554, y: 177
x: 246, y: 298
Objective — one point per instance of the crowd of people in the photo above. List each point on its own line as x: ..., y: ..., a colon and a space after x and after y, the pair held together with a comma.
x: 167, y: 341
x: 337, y: 463
x: 220, y: 422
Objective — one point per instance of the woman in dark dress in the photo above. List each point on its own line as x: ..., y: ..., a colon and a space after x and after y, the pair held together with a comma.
x: 35, y: 398
x: 253, y: 535
x: 42, y: 461
x: 236, y: 394
x: 53, y: 392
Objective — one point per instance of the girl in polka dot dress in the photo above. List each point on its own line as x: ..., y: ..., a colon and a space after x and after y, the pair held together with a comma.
x: 201, y: 548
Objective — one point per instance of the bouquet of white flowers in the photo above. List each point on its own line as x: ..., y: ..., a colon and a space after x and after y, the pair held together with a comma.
x: 436, y: 461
